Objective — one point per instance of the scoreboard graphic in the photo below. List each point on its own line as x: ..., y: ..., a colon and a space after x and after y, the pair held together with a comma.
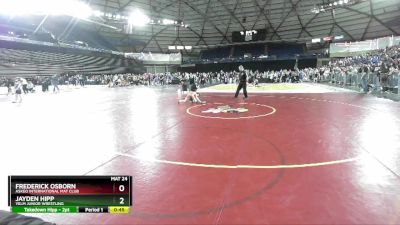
x: 70, y: 194
x: 249, y: 35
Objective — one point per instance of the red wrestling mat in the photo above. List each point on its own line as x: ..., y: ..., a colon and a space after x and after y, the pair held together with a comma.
x: 290, y: 159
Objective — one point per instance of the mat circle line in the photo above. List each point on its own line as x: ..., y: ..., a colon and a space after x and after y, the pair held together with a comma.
x: 233, y: 118
x: 220, y: 166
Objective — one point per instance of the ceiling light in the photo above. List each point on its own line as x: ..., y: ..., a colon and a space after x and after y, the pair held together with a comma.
x: 171, y: 47
x: 138, y: 18
x: 180, y: 47
x: 316, y: 40
x: 79, y: 10
x: 167, y: 21
x: 97, y: 13
x: 339, y: 37
x: 188, y: 47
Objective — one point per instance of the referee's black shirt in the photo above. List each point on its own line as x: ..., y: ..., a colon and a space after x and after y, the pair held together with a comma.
x: 243, y: 77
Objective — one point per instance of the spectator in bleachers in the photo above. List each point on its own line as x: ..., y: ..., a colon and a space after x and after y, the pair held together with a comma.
x: 18, y: 90
x: 54, y: 82
x: 30, y: 87
x: 24, y: 85
x: 9, y: 85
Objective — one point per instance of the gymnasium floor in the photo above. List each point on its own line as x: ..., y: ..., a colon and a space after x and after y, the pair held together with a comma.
x: 294, y: 158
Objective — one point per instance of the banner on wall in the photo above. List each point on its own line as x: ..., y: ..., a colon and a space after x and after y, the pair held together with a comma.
x: 354, y: 48
x: 156, y: 58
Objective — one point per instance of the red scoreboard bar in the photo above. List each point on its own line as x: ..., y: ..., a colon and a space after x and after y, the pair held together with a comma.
x: 70, y: 194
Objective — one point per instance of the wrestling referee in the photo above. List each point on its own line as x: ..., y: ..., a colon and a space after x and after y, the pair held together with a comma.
x: 242, y: 82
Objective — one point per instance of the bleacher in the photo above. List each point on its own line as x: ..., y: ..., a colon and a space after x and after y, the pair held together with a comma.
x: 285, y: 50
x: 22, y: 59
x: 254, y: 50
x: 258, y: 53
x: 216, y: 53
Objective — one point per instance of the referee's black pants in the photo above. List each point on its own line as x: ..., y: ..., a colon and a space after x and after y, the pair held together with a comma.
x: 240, y: 86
